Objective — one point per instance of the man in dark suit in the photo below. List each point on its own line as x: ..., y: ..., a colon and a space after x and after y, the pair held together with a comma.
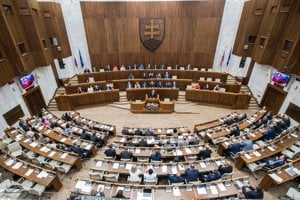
x: 176, y: 178
x: 212, y: 176
x: 97, y: 140
x: 192, y: 174
x: 126, y: 154
x: 110, y: 152
x: 23, y: 125
x: 153, y: 94
x: 226, y: 168
x: 142, y: 143
x: 138, y: 132
x: 149, y: 132
x: 85, y: 135
x: 251, y: 192
x: 156, y: 156
x: 204, y: 153
x: 233, y: 149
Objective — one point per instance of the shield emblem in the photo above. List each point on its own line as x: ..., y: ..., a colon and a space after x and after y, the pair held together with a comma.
x: 152, y: 32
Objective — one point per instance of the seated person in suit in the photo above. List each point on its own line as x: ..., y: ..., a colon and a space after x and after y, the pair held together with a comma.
x: 144, y: 76
x: 141, y: 66
x: 174, y: 85
x: 159, y: 84
x: 122, y: 68
x: 162, y: 67
x: 167, y: 75
x: 86, y: 70
x: 144, y: 85
x: 97, y: 88
x: 120, y: 195
x: 270, y: 133
x: 188, y: 67
x: 204, y: 153
x: 216, y: 88
x: 79, y: 90
x: 158, y: 76
x: 233, y: 149
x: 275, y: 162
x: 212, y: 176
x: 138, y: 132
x: 115, y: 68
x: 85, y: 136
x: 247, y: 144
x: 23, y: 125
x: 126, y: 154
x: 183, y: 142
x: 225, y: 168
x: 151, y: 75
x: 130, y: 76
x: 149, y: 132
x: 150, y: 176
x: 241, y: 117
x: 206, y: 87
x: 156, y: 156
x: 97, y: 140
x: 194, y: 140
x: 235, y: 131
x: 110, y: 152
x: 108, y: 68
x: 192, y: 174
x: 175, y: 178
x: 251, y: 192
x: 153, y: 94
x: 129, y: 85
x: 142, y: 143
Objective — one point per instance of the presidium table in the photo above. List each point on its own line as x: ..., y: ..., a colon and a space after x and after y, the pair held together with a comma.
x: 152, y: 105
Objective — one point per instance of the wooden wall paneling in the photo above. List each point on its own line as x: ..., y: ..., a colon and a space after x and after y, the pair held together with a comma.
x: 55, y: 26
x: 113, y: 32
x: 36, y: 32
x: 287, y: 60
x: 271, y: 27
x: 14, y: 32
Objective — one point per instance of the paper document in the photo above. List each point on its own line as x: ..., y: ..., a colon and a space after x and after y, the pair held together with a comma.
x: 271, y: 148
x: 52, y: 153
x: 221, y: 187
x: 137, y: 150
x: 202, y: 165
x: 115, y: 165
x: 164, y: 168
x: 213, y: 189
x: 99, y: 163
x: 256, y: 153
x: 17, y: 165
x: 34, y: 144
x: 247, y: 156
x: 201, y: 189
x: 63, y: 139
x: 276, y: 178
x: 128, y: 166
x: 176, y: 192
x: 188, y: 150
x: 64, y: 155
x: 29, y: 172
x: 42, y: 174
x: 178, y: 152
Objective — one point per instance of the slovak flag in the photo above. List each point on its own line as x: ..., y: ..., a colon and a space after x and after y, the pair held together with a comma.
x: 229, y: 56
x: 81, y: 59
x: 222, y: 59
x: 75, y: 62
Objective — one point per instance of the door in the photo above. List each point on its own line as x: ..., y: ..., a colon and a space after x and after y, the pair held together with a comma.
x: 273, y: 98
x: 34, y: 100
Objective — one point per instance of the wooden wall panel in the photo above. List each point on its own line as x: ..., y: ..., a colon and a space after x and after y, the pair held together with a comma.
x: 191, y: 32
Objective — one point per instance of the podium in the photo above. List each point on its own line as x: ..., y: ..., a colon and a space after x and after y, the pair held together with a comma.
x: 152, y: 105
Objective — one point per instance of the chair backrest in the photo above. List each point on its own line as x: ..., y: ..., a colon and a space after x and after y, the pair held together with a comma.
x: 91, y: 79
x: 13, y: 147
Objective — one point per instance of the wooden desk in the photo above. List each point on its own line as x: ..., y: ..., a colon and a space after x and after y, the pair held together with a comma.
x: 234, y: 88
x: 222, y: 99
x: 63, y: 138
x: 72, y: 89
x: 287, y: 141
x: 268, y: 180
x: 75, y: 101
x: 160, y: 131
x: 147, y: 152
x: 207, y: 125
x: 206, y: 166
x: 180, y: 83
x: 140, y: 107
x: 181, y: 74
x: 93, y: 124
x: 242, y: 125
x: 159, y: 191
x: 152, y: 140
x: 37, y: 147
x: 140, y: 93
x: 51, y: 178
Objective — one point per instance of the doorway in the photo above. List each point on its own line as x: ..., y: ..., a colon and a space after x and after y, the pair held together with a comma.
x: 34, y: 100
x: 273, y: 98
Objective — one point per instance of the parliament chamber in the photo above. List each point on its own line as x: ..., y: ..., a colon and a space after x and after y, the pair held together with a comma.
x: 149, y: 100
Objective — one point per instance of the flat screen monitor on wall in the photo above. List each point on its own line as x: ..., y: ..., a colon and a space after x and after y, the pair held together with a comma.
x: 27, y: 81
x: 281, y: 79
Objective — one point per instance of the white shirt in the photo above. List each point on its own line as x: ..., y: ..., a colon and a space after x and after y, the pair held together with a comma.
x: 150, y: 177
x: 134, y: 176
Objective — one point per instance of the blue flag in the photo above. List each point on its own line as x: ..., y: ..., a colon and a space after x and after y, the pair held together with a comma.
x: 81, y: 59
x: 229, y: 56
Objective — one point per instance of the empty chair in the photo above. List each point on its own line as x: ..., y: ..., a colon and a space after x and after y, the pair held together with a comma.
x: 111, y: 176
x: 295, y: 149
x: 40, y: 160
x: 15, y: 149
x: 202, y: 134
x: 109, y: 158
x: 293, y: 193
x: 209, y: 79
x: 253, y: 167
x: 202, y: 79
x: 218, y: 140
x: 6, y: 140
x: 255, y: 146
x: 26, y: 184
x: 29, y: 155
x: 151, y: 182
x: 288, y: 153
x: 202, y: 69
x: 38, y: 189
x: 227, y: 175
x: 218, y: 80
x: 49, y: 165
x: 260, y: 143
x: 97, y: 175
x: 209, y: 69
x: 64, y: 168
